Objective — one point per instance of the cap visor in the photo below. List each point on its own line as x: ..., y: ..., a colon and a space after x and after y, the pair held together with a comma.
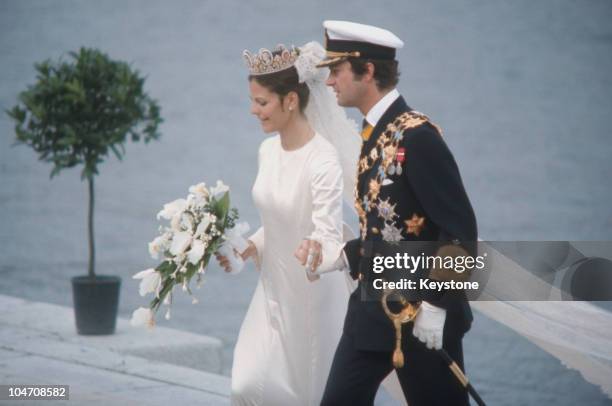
x: 331, y: 61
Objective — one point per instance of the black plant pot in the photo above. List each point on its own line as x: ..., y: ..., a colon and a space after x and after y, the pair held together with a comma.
x: 96, y: 301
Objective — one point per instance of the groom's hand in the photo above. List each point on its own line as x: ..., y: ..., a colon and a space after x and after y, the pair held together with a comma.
x: 429, y: 325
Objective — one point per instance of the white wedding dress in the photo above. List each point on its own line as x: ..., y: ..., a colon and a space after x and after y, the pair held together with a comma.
x: 290, y: 333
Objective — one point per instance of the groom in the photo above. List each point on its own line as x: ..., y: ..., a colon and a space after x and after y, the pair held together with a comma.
x: 408, y: 188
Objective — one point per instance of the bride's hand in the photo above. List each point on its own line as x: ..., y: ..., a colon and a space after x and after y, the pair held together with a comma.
x: 312, y: 247
x: 250, y: 251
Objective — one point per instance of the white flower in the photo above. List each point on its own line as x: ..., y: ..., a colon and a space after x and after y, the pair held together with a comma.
x: 175, y: 222
x: 150, y: 280
x: 196, y: 252
x: 142, y: 316
x: 200, y: 202
x: 179, y: 259
x: 172, y: 208
x: 219, y: 190
x: 190, y: 200
x: 154, y: 249
x: 158, y: 245
x: 199, y: 190
x: 186, y: 222
x: 204, y: 223
x: 180, y: 242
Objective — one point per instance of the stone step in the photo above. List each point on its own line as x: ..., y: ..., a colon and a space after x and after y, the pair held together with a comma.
x: 158, y: 344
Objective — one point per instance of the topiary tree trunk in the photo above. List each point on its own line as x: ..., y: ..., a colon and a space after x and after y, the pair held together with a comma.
x: 90, y: 229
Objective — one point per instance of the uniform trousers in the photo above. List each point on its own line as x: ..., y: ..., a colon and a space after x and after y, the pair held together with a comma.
x: 425, y: 378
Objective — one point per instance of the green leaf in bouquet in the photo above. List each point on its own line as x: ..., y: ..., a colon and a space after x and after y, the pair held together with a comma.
x: 204, y: 262
x: 191, y: 270
x: 222, y: 208
x: 213, y: 246
x: 168, y: 284
x: 166, y: 268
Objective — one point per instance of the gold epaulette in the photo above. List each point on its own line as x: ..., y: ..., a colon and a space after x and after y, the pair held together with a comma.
x: 411, y: 119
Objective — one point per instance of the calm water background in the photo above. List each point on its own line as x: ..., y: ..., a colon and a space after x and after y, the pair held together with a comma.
x: 522, y: 90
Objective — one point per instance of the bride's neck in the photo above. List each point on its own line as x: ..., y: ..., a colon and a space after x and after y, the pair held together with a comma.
x: 296, y: 133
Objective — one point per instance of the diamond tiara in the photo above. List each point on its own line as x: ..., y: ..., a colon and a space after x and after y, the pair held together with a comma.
x: 266, y: 61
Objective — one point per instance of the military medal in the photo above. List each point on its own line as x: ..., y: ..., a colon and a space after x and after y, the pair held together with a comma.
x: 400, y: 157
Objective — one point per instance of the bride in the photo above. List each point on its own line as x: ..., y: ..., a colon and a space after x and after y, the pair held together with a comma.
x: 288, y: 338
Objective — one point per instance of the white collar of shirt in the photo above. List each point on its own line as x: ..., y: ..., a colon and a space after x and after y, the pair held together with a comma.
x: 377, y: 111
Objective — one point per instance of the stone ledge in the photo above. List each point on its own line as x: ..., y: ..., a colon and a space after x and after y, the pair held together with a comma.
x: 159, y: 344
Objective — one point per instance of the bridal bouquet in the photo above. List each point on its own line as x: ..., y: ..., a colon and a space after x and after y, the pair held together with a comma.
x: 200, y: 225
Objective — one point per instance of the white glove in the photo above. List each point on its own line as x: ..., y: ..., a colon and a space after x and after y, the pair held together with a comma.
x: 429, y: 325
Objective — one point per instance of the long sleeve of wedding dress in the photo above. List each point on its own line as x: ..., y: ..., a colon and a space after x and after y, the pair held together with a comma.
x: 258, y: 239
x: 326, y: 185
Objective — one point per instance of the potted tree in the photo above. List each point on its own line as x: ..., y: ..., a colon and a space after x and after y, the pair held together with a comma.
x: 75, y: 114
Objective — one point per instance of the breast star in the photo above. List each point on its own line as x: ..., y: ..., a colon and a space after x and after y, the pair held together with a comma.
x: 391, y: 233
x: 386, y: 210
x: 415, y: 225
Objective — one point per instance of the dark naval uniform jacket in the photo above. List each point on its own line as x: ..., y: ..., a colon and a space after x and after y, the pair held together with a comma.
x: 408, y: 189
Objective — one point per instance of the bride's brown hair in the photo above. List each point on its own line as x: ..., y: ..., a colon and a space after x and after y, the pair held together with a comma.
x: 282, y: 83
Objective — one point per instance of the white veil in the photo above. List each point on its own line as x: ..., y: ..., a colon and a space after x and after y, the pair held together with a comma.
x: 577, y: 333
x: 326, y: 117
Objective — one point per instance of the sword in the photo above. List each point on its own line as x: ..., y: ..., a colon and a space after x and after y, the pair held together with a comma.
x: 408, y: 313
x: 452, y: 365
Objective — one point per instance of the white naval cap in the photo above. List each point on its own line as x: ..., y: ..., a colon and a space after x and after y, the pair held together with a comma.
x: 345, y: 39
